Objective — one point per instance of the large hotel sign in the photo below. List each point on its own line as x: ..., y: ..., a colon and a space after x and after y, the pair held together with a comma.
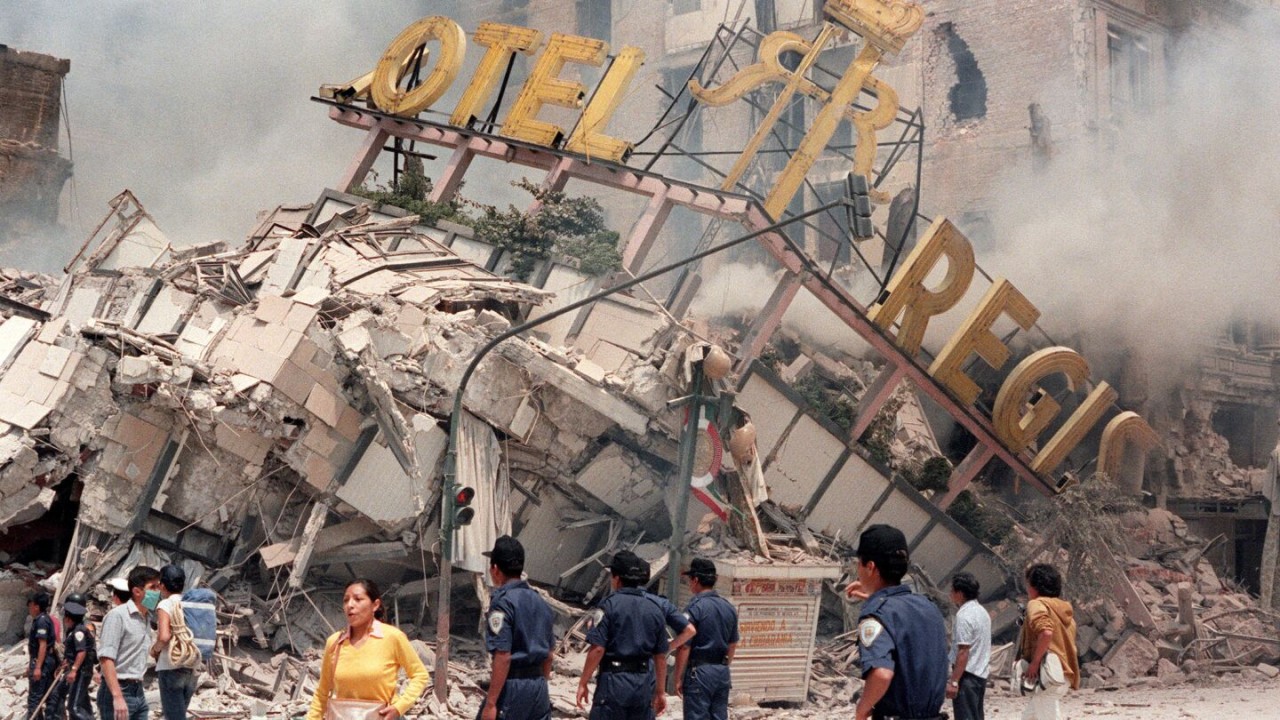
x: 1023, y: 412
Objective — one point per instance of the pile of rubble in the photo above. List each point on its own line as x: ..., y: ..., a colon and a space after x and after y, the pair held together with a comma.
x: 1198, y: 623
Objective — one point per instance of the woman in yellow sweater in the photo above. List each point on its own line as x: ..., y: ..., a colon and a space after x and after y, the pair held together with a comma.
x: 364, y: 661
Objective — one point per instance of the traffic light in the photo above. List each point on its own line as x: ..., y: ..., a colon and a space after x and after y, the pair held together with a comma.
x: 860, y: 211
x: 463, y: 513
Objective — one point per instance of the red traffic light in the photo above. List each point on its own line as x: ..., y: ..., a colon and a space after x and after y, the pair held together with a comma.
x: 464, y: 496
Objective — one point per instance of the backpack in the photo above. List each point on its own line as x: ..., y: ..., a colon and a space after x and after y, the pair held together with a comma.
x: 183, y: 652
x: 200, y: 609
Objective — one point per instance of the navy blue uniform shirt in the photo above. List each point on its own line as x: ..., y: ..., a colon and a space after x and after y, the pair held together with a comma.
x: 905, y: 633
x: 629, y: 625
x: 675, y: 619
x: 42, y: 629
x: 519, y: 622
x: 716, y: 620
x: 79, y: 639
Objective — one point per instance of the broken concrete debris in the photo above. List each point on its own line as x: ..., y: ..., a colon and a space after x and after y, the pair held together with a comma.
x: 274, y: 418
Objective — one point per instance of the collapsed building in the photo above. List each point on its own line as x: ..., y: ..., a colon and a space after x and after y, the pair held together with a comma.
x: 275, y: 416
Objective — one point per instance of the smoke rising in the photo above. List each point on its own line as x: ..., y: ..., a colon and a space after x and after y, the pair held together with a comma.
x: 202, y: 109
x: 1165, y: 232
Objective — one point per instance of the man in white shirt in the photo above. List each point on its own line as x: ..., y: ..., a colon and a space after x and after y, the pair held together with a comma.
x: 122, y: 649
x: 970, y: 650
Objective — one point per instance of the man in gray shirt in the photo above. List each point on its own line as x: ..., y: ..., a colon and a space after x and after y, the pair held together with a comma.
x: 122, y: 649
x: 970, y: 650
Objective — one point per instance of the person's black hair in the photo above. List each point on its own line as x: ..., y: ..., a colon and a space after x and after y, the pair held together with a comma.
x: 41, y: 600
x: 371, y: 589
x: 122, y: 595
x: 1045, y: 579
x: 965, y: 584
x: 173, y: 578
x: 706, y: 581
x: 141, y: 575
x: 894, y: 568
x: 510, y: 568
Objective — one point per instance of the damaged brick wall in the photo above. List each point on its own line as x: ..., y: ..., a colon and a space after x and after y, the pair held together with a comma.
x: 31, y: 171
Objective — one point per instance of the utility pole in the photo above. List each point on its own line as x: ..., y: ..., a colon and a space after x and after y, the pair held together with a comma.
x: 684, y: 476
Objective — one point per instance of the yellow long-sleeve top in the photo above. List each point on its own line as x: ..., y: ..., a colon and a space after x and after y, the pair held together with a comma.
x: 369, y: 671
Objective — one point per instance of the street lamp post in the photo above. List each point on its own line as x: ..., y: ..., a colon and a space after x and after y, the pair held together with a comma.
x: 451, y: 458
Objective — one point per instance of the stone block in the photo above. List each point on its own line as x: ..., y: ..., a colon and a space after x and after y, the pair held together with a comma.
x: 1133, y: 657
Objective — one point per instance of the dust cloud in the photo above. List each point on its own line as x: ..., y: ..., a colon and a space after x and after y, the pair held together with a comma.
x: 203, y: 109
x: 1162, y: 230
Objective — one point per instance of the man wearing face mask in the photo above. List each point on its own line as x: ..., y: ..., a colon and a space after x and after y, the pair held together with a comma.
x: 122, y: 649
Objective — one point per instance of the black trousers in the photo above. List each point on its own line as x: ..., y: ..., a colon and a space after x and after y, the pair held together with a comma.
x: 967, y: 704
x: 36, y: 690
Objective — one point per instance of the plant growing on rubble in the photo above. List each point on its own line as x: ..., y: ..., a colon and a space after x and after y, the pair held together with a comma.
x: 827, y: 400
x: 410, y: 191
x: 988, y: 524
x: 570, y: 226
x: 934, y: 474
x: 1083, y: 521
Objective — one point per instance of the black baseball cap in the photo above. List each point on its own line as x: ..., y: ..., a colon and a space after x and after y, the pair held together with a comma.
x: 881, y: 543
x: 507, y: 553
x: 628, y: 566
x: 701, y: 568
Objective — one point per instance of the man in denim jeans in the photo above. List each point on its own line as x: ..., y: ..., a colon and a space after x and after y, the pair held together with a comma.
x: 122, y: 649
x: 177, y: 685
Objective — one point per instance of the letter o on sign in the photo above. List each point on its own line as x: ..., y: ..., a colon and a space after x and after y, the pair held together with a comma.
x: 388, y: 96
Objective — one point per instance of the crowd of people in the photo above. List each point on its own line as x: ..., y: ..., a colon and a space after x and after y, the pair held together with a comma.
x: 907, y: 667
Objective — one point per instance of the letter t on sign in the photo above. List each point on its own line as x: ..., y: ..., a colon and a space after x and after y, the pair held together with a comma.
x: 503, y: 41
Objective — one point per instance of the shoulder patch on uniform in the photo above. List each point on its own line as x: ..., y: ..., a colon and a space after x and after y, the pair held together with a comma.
x: 597, y: 615
x: 868, y: 631
x: 79, y: 636
x: 497, y: 619
x: 41, y: 631
x: 687, y: 616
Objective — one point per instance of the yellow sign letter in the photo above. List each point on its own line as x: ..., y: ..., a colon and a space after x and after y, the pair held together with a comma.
x: 386, y: 91
x: 587, y: 137
x: 975, y: 336
x: 907, y: 290
x: 503, y: 42
x: 1016, y: 428
x: 545, y: 87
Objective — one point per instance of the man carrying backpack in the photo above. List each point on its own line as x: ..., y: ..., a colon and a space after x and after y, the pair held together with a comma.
x: 177, y: 684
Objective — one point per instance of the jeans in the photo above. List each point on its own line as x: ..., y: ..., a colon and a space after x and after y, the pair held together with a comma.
x: 134, y: 701
x: 176, y: 689
x: 967, y: 704
x: 706, y: 693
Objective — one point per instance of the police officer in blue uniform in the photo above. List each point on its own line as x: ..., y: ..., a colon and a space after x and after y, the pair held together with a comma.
x: 42, y: 659
x: 901, y: 636
x: 518, y: 633
x: 629, y: 632
x: 677, y: 621
x: 702, y: 667
x: 79, y: 656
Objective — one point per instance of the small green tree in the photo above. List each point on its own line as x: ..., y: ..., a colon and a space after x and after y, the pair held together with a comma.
x: 571, y: 226
x: 410, y: 192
